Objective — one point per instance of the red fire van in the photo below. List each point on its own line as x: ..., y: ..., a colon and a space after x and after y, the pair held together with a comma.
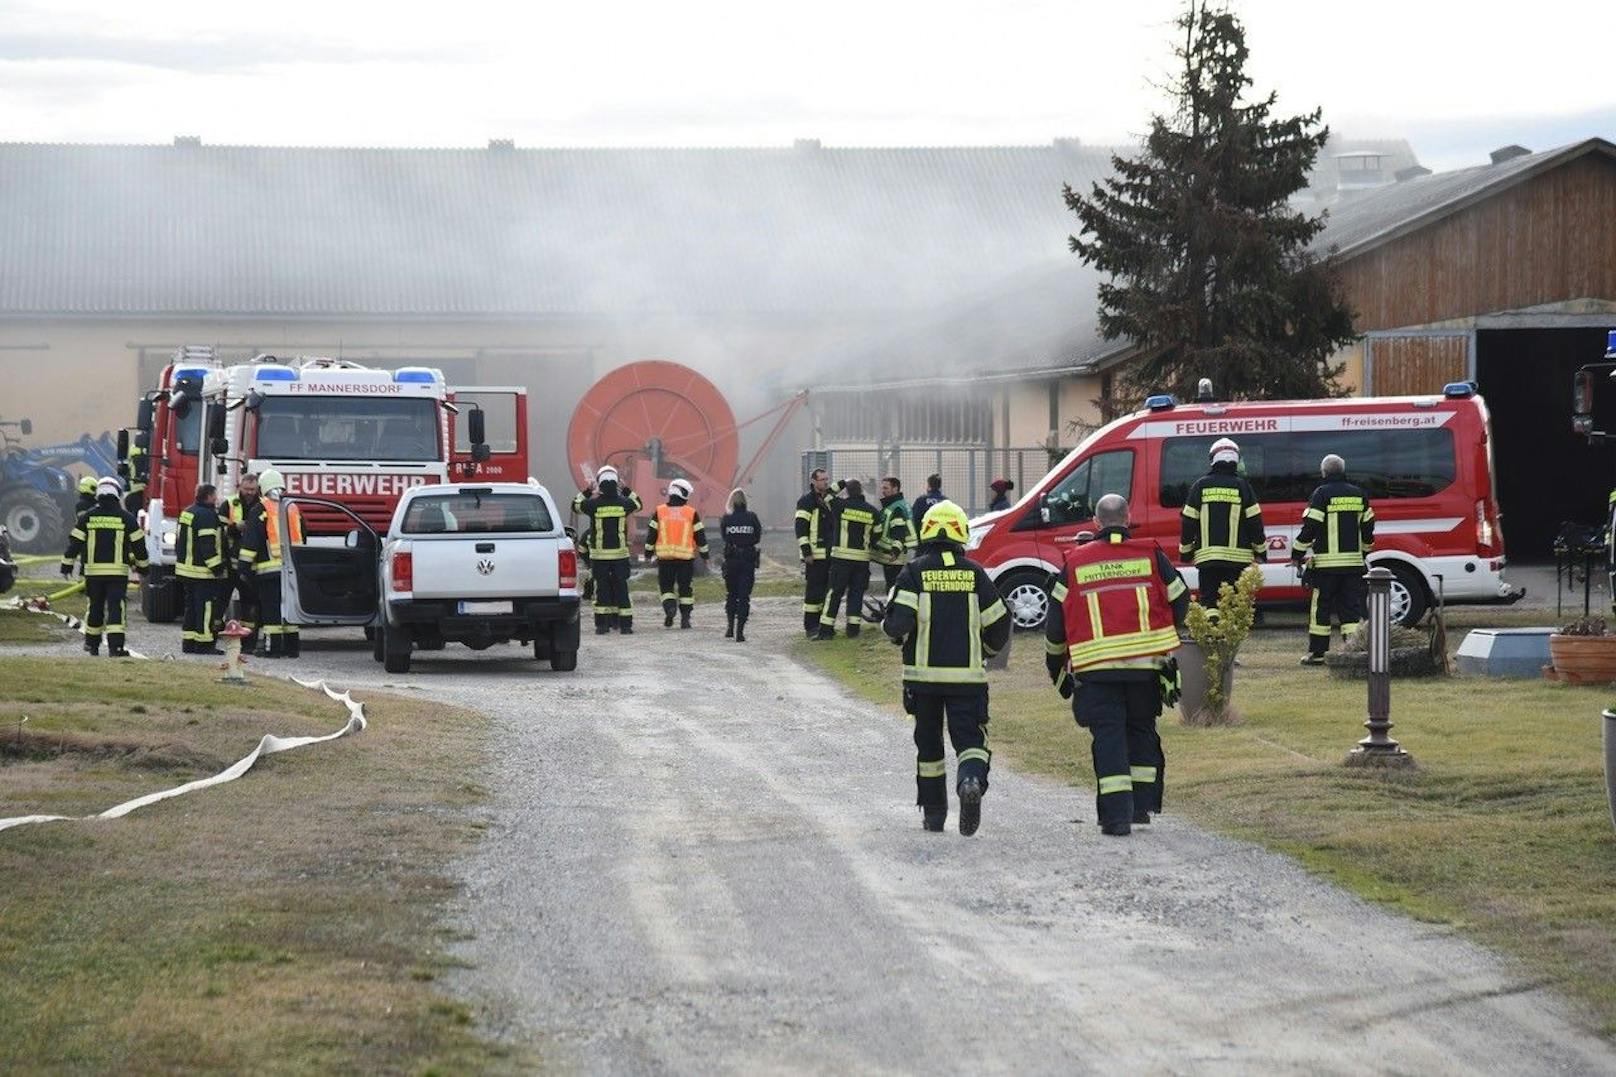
x: 1426, y: 462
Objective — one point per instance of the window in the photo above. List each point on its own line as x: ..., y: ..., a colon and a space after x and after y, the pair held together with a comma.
x: 467, y: 512
x: 188, y: 428
x: 347, y: 428
x: 499, y: 420
x: 1072, y: 500
x: 1389, y: 464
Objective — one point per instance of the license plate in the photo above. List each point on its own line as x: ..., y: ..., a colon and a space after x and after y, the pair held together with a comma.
x: 486, y: 607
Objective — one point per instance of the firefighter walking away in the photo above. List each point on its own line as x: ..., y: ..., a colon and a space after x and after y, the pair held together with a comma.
x: 106, y: 541
x: 855, y: 535
x: 199, y: 565
x: 609, y: 507
x: 1221, y: 525
x: 264, y: 549
x: 1109, y: 639
x: 1338, y: 532
x: 947, y: 616
x: 673, y: 538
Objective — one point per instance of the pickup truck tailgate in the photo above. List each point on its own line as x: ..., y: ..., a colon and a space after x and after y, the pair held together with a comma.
x: 499, y: 566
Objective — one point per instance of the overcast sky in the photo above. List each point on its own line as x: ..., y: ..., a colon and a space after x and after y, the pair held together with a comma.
x: 1457, y: 79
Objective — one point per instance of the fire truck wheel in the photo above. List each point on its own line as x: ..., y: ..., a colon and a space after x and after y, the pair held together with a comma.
x: 396, y: 649
x: 1025, y: 596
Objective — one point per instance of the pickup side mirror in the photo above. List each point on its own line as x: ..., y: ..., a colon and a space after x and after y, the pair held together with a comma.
x: 143, y: 415
x: 218, y: 447
x: 216, y: 423
x: 1044, y: 513
x: 354, y: 539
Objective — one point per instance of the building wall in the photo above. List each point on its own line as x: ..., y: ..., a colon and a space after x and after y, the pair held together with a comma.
x: 1548, y: 240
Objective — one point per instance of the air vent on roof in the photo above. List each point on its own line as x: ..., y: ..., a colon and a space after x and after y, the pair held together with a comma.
x: 187, y: 140
x: 1403, y: 175
x: 1508, y: 153
x: 806, y: 144
x: 502, y: 143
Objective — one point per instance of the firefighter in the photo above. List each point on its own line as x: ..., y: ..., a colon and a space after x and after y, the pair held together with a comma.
x: 133, y: 472
x: 898, y: 529
x: 238, y: 509
x: 923, y: 503
x: 673, y: 537
x: 1221, y: 525
x: 856, y: 530
x: 107, y: 540
x: 812, y: 526
x: 1001, y: 494
x: 609, y: 506
x: 741, y: 531
x: 1338, y: 531
x: 263, y: 552
x: 199, y: 565
x: 87, y: 496
x: 1112, y: 629
x: 947, y: 615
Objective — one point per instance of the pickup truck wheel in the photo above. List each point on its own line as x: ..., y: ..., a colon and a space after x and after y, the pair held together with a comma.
x: 541, y: 647
x: 396, y: 644
x: 563, y: 661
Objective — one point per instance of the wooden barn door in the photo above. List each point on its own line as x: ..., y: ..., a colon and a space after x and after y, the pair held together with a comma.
x: 1417, y: 362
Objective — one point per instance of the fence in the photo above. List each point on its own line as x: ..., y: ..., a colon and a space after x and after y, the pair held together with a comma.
x: 966, y: 472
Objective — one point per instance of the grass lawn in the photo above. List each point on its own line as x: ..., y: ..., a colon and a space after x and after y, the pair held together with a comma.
x: 1502, y: 831
x: 16, y: 626
x: 288, y: 922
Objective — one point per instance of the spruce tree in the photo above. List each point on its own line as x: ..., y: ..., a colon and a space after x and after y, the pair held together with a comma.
x: 1206, y: 263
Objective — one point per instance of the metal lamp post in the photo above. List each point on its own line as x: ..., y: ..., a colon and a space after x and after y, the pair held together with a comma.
x: 1378, y: 749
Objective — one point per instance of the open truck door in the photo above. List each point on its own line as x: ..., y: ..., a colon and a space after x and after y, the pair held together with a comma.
x: 328, y: 580
x: 504, y: 422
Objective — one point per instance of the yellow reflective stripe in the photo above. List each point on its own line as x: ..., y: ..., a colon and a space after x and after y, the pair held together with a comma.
x: 923, y: 634
x: 1096, y: 626
x: 1313, y: 626
x: 974, y: 628
x: 610, y: 512
x: 1349, y: 559
x: 1253, y: 509
x: 1313, y: 514
x: 1191, y: 512
x: 992, y: 614
x: 1051, y: 647
x: 1116, y: 783
x: 1142, y: 774
x: 1059, y: 591
x: 929, y: 768
x: 1143, y: 595
x: 1152, y: 663
x: 1241, y: 554
x: 948, y: 558
x: 945, y: 674
x: 1132, y: 645
x: 975, y: 753
x: 1176, y: 588
x: 906, y: 598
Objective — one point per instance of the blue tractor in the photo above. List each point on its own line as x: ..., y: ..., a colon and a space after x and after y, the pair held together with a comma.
x: 37, y: 491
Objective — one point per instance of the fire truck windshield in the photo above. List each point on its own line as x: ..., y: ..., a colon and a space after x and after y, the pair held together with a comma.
x: 347, y: 428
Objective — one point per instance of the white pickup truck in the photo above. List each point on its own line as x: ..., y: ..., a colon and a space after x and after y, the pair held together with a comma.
x: 474, y: 563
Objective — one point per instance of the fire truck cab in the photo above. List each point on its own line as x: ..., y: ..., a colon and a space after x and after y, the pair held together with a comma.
x: 349, y: 435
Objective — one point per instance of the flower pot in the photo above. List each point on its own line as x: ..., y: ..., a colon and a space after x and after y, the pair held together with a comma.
x: 1194, y: 683
x: 1610, y: 763
x: 1583, y: 659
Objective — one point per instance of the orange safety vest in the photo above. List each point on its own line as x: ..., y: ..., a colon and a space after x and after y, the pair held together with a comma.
x: 1116, y: 609
x: 272, y: 530
x: 676, y: 532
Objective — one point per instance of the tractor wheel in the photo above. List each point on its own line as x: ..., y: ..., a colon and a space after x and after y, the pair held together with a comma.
x: 36, y: 522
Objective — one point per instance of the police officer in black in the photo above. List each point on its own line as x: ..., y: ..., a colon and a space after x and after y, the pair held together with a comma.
x: 923, y: 503
x: 609, y: 507
x: 740, y: 531
x: 199, y: 565
x: 947, y: 615
x: 855, y: 535
x: 1221, y: 524
x: 813, y: 529
x: 1338, y: 532
x: 106, y: 539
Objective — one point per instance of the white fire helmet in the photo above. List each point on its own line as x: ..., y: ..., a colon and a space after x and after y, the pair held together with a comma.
x: 606, y: 474
x: 108, y: 486
x: 1225, y: 451
x: 680, y: 488
x: 270, y: 482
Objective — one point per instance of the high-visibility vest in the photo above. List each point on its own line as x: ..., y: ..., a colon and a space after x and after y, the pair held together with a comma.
x: 272, y: 533
x: 1116, y: 608
x: 676, y: 532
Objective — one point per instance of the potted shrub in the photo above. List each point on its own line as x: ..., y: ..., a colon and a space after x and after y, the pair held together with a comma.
x: 1206, y: 659
x: 1584, y: 652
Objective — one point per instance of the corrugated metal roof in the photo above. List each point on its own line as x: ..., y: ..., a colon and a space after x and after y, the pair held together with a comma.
x: 251, y: 230
x: 1382, y: 214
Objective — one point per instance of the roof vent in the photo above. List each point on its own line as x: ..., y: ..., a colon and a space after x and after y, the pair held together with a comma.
x: 1403, y: 175
x: 806, y: 144
x: 1508, y: 153
x: 502, y: 143
x: 187, y: 140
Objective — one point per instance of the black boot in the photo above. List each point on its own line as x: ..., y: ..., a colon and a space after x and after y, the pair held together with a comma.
x: 729, y: 633
x: 92, y: 644
x: 668, y: 609
x: 684, y: 616
x: 825, y: 632
x: 810, y: 624
x: 970, y: 796
x: 1116, y: 830
x: 625, y: 625
x: 740, y: 630
x: 1141, y: 818
x: 603, y: 625
x: 852, y: 630
x: 934, y: 819
x: 115, y: 648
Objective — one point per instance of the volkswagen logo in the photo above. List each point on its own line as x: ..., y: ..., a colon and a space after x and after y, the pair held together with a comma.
x: 485, y: 567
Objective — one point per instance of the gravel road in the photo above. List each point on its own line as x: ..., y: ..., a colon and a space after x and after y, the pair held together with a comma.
x: 703, y: 857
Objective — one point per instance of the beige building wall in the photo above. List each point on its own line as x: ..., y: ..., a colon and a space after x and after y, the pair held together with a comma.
x: 1029, y: 416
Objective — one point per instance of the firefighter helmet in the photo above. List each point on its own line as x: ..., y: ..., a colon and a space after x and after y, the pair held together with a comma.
x: 1225, y: 451
x: 945, y: 520
x: 608, y: 473
x: 87, y: 485
x: 270, y: 481
x: 108, y: 487
x: 680, y: 488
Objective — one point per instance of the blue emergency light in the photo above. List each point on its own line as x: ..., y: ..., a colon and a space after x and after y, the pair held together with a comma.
x: 417, y: 375
x: 1163, y: 402
x: 198, y: 372
x: 1459, y: 390
x: 1610, y: 344
x: 274, y: 373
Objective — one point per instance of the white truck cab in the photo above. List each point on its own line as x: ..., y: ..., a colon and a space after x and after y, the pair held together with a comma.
x: 474, y: 563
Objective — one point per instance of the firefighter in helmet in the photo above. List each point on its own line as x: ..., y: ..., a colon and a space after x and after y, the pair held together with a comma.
x: 107, y: 540
x: 264, y: 549
x: 609, y: 506
x: 199, y: 565
x: 855, y: 534
x: 87, y: 496
x: 673, y: 537
x: 1109, y: 639
x: 1338, y: 531
x: 947, y: 616
x: 1221, y: 525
